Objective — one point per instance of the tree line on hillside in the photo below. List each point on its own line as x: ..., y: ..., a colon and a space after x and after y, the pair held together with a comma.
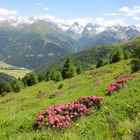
x: 118, y: 55
x: 104, y: 54
x: 68, y: 70
x: 136, y: 62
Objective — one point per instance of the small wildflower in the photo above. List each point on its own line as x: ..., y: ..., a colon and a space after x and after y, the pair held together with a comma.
x: 77, y: 124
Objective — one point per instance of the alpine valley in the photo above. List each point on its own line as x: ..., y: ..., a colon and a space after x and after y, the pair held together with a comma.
x: 72, y: 76
x: 33, y: 41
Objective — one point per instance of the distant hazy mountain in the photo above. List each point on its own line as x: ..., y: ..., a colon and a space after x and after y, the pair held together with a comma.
x: 89, y: 58
x: 33, y: 41
x: 93, y: 35
x: 31, y: 45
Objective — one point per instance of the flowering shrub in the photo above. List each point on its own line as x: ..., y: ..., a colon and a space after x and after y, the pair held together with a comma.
x: 112, y: 87
x: 120, y: 83
x: 90, y: 101
x: 61, y: 116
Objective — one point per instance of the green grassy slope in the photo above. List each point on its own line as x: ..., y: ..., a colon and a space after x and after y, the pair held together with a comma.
x: 16, y: 73
x: 119, y: 117
x: 4, y: 65
x: 7, y: 69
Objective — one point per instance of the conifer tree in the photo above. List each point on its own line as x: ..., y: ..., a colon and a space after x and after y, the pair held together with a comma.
x: 30, y: 79
x: 57, y: 76
x: 68, y: 70
x: 118, y: 56
x: 17, y: 85
x: 79, y: 70
x: 101, y: 62
x: 48, y: 76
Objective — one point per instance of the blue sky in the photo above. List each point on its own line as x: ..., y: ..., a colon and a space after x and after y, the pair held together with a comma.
x: 107, y: 11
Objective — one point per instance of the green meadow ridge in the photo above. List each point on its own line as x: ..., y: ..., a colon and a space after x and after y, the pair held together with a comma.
x: 118, y: 118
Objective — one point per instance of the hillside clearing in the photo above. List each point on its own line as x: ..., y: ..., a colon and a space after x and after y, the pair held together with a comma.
x: 118, y: 118
x: 16, y: 73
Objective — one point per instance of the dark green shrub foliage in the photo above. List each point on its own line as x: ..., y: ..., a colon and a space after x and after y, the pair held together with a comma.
x: 57, y: 76
x: 135, y: 65
x: 138, y: 53
x: 2, y: 91
x: 17, y: 85
x: 117, y: 56
x: 30, y: 79
x: 101, y: 62
x: 79, y: 70
x: 68, y: 70
x: 60, y: 86
x: 5, y: 88
x: 41, y: 77
x: 127, y: 54
x: 8, y: 88
x: 48, y: 76
x: 52, y: 75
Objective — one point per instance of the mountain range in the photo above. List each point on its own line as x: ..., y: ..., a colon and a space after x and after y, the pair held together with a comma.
x: 33, y: 41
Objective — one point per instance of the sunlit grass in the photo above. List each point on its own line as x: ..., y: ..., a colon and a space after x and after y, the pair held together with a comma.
x: 16, y: 73
x: 119, y: 117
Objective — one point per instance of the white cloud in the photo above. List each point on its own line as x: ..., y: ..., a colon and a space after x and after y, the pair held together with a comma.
x: 124, y: 9
x: 130, y: 11
x: 104, y: 22
x: 6, y: 12
x: 52, y: 18
x: 65, y: 23
x: 138, y: 25
x: 110, y: 14
x: 136, y: 18
x: 46, y: 9
x: 82, y: 21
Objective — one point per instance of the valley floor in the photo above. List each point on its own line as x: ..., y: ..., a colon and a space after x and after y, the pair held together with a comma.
x: 16, y: 73
x: 118, y: 118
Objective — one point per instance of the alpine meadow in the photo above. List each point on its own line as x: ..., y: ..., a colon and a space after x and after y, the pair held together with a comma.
x: 70, y: 70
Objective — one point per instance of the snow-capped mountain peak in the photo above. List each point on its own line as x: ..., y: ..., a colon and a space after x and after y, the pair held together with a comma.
x: 89, y: 27
x: 133, y: 27
x: 20, y: 20
x: 76, y: 27
x: 75, y: 30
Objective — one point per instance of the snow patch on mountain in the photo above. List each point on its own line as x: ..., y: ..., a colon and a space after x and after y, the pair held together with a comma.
x: 74, y: 29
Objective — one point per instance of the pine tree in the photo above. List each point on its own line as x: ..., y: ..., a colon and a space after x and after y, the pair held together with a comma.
x: 127, y: 54
x: 48, y: 76
x: 118, y: 56
x: 101, y: 62
x: 17, y: 85
x: 41, y: 77
x: 68, y: 70
x: 5, y: 88
x: 57, y: 76
x: 52, y: 75
x: 79, y: 70
x: 30, y: 79
x: 138, y: 53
